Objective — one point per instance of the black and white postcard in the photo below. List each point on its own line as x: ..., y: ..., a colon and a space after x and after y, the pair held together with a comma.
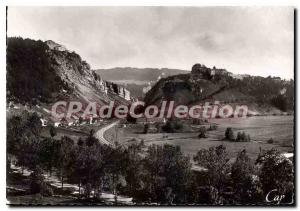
x: 150, y: 106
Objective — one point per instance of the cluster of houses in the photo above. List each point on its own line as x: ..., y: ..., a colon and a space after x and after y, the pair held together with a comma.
x: 74, y: 121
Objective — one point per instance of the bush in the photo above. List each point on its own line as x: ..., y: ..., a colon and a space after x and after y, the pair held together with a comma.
x: 158, y: 127
x: 202, y: 132
x: 242, y: 137
x: 270, y: 141
x: 202, y: 135
x: 202, y: 129
x: 172, y: 126
x: 52, y: 131
x: 142, y: 143
x: 248, y: 138
x: 146, y: 128
x: 212, y: 127
x: 229, y: 135
x: 197, y: 121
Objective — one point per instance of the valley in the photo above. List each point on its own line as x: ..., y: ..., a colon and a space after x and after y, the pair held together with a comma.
x: 261, y: 129
x: 135, y: 157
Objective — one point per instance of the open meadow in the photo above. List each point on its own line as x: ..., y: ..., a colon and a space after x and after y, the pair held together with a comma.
x: 260, y: 129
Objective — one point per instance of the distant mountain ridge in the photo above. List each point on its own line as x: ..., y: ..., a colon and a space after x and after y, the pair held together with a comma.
x: 137, y: 80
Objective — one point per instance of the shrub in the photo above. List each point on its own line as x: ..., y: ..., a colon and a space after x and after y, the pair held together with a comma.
x: 158, y: 127
x: 146, y: 128
x: 248, y: 138
x: 242, y: 137
x: 229, y: 134
x: 197, y: 121
x: 172, y: 126
x: 177, y: 125
x: 202, y: 132
x: 212, y: 127
x: 52, y: 131
x: 202, y: 135
x: 202, y: 129
x: 80, y: 142
x: 270, y: 141
x: 142, y: 143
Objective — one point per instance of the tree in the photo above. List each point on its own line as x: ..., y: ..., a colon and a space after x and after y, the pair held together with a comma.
x: 88, y: 169
x: 166, y: 168
x: 65, y: 157
x: 38, y: 185
x: 202, y: 132
x: 246, y: 187
x: 80, y: 142
x: 276, y: 172
x: 80, y: 120
x: 177, y: 172
x: 23, y: 135
x: 242, y: 137
x: 115, y: 167
x: 52, y: 131
x: 134, y: 169
x: 46, y: 154
x: 146, y: 128
x: 229, y: 135
x: 91, y: 139
x: 270, y: 141
x: 216, y: 166
x: 248, y: 138
x: 172, y: 126
x: 212, y: 127
x: 27, y: 156
x: 238, y: 136
x: 14, y: 134
x: 280, y: 101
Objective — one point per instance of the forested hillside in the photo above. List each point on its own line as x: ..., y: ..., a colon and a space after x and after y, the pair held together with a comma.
x: 44, y: 72
x: 30, y: 73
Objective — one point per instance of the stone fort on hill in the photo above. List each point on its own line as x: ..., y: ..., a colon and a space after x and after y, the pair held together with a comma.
x: 201, y: 71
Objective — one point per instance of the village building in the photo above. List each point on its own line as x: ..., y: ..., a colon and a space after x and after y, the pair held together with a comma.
x: 64, y: 122
x: 127, y: 94
x: 57, y: 124
x: 44, y: 122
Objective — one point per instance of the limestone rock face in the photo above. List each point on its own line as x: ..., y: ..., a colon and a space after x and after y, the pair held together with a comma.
x: 61, y: 74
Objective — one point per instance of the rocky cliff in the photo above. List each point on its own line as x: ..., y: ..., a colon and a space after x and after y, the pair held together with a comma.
x: 137, y: 80
x: 45, y: 72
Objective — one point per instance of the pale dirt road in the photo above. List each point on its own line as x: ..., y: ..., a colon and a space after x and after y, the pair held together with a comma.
x: 100, y: 133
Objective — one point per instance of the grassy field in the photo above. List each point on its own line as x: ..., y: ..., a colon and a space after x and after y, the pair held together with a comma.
x: 260, y: 129
x: 280, y: 128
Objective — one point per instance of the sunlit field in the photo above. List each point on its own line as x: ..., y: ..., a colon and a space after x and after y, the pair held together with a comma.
x: 261, y: 129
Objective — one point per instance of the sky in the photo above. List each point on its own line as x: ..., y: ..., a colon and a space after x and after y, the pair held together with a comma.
x: 243, y: 40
